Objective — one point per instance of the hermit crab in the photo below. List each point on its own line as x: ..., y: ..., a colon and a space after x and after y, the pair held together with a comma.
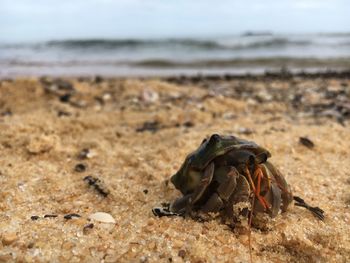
x: 225, y: 171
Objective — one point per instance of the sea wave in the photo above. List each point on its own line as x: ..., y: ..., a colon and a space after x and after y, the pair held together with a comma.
x: 238, y: 43
x: 275, y: 42
x: 131, y: 43
x: 254, y: 62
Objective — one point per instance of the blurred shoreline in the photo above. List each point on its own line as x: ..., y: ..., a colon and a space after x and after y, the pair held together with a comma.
x: 196, y: 77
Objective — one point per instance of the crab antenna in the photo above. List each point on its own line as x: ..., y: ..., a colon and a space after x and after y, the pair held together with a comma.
x: 250, y: 229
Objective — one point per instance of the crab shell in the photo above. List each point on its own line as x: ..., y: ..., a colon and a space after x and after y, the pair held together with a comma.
x: 187, y: 178
x: 222, y: 191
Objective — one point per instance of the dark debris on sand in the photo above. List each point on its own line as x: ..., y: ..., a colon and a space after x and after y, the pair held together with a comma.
x: 306, y: 142
x: 321, y: 100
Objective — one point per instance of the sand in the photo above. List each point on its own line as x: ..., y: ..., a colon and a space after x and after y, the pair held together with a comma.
x: 138, y: 133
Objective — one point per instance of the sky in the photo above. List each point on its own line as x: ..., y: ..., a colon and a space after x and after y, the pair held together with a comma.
x: 35, y: 20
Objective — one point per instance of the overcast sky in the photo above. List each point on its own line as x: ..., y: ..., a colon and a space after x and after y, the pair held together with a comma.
x: 31, y: 20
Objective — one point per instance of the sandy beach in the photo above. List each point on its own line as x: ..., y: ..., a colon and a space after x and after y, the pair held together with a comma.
x: 133, y: 134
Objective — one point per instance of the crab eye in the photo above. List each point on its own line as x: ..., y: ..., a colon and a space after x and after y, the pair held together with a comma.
x: 214, y: 138
x: 261, y: 158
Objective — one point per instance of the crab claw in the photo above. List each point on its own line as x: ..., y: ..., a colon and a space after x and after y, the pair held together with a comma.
x: 277, y: 178
x: 315, y: 210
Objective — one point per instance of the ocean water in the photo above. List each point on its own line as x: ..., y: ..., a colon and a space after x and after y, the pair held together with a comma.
x: 236, y: 54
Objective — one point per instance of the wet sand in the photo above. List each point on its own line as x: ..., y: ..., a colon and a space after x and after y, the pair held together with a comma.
x: 133, y: 134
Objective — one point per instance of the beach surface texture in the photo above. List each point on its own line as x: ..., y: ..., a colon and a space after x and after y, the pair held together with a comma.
x: 84, y: 161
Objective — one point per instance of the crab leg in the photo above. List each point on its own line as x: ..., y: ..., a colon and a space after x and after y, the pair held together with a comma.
x: 258, y: 173
x: 179, y: 206
x: 205, y: 181
x: 227, y: 178
x: 277, y: 178
x: 318, y: 212
x: 257, y: 190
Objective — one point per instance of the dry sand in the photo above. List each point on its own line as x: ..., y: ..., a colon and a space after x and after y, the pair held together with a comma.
x: 42, y: 131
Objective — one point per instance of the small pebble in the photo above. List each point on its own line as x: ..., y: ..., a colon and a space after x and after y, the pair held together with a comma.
x: 306, y: 142
x: 41, y: 144
x: 70, y: 216
x: 152, y: 126
x: 102, y: 217
x: 8, y: 238
x: 67, y: 245
x: 188, y: 124
x: 6, y: 113
x: 145, y: 191
x: 63, y: 113
x: 152, y: 245
x: 182, y: 253
x: 98, y: 185
x: 50, y: 216
x: 246, y: 131
x: 30, y: 245
x: 106, y: 96
x: 149, y: 96
x: 97, y: 79
x: 6, y: 257
x: 80, y: 168
x: 87, y: 228
x: 83, y: 153
x: 65, y: 98
x: 178, y: 243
